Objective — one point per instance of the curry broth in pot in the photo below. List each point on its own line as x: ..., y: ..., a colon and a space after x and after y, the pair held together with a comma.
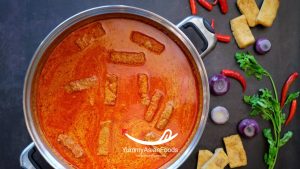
x: 114, y: 77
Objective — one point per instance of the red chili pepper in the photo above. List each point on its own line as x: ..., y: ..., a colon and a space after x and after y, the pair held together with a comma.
x: 206, y: 4
x: 212, y: 24
x: 286, y: 87
x: 193, y: 7
x: 292, y: 112
x: 223, y: 38
x: 224, y: 6
x: 235, y: 75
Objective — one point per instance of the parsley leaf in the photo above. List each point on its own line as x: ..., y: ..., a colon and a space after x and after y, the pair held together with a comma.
x: 267, y: 106
x: 262, y: 103
x: 250, y: 66
x: 292, y: 97
x: 286, y: 137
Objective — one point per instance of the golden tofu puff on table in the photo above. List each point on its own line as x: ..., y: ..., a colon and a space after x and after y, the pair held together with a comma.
x: 268, y: 12
x: 250, y: 9
x: 241, y: 32
x: 218, y: 161
x: 235, y: 157
x: 235, y: 151
x: 251, y: 17
x: 203, y: 157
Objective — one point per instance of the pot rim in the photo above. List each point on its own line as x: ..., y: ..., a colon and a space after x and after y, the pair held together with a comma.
x: 44, y: 148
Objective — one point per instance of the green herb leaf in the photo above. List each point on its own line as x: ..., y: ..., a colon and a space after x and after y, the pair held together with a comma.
x: 249, y: 64
x: 286, y: 137
x: 282, y: 118
x: 247, y: 99
x: 269, y: 157
x: 267, y: 106
x: 262, y: 103
x: 292, y: 97
x: 268, y: 134
x: 255, y: 112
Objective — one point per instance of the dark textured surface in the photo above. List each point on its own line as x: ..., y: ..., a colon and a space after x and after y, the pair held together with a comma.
x: 24, y: 24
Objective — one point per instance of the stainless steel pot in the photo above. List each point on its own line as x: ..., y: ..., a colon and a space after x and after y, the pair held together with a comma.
x: 202, y: 29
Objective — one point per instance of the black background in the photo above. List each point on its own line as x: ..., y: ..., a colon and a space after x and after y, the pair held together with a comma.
x: 24, y: 24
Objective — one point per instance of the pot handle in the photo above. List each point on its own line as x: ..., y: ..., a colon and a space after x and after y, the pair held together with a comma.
x: 25, y: 157
x: 203, y: 29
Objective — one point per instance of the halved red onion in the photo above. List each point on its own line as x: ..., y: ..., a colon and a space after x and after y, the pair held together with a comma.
x: 262, y: 46
x: 248, y: 128
x: 219, y: 115
x: 219, y: 84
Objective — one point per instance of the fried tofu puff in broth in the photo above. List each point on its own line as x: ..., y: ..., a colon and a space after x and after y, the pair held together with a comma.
x: 116, y: 75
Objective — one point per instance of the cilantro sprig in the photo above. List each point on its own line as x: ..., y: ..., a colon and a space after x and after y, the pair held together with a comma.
x: 266, y: 104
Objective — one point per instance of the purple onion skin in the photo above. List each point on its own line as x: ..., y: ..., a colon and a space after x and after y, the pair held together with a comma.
x: 215, y: 81
x: 262, y: 46
x: 248, y: 122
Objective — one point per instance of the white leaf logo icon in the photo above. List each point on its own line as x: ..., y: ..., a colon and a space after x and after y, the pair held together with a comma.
x: 166, y: 137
